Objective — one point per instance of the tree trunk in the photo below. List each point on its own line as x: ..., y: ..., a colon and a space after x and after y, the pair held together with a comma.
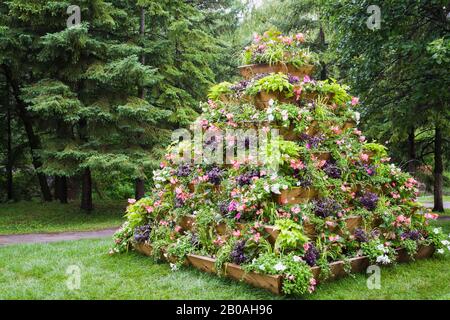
x: 86, y: 191
x: 411, y: 151
x: 9, y: 165
x: 33, y: 140
x: 61, y: 189
x: 56, y: 188
x: 139, y: 189
x: 438, y: 171
x: 323, y: 45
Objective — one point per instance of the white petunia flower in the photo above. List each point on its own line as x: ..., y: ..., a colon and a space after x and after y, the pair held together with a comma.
x: 275, y: 188
x: 383, y: 259
x: 262, y: 268
x: 271, y: 102
x: 440, y: 251
x: 296, y: 258
x: 173, y: 267
x: 279, y: 266
x: 445, y: 242
x: 436, y: 230
x: 270, y: 117
x: 380, y: 247
x: 357, y: 117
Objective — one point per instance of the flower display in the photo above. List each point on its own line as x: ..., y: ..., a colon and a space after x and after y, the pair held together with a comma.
x: 322, y: 191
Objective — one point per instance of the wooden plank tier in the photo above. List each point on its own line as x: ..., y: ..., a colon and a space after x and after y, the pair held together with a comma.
x: 274, y: 283
x: 250, y: 70
x: 352, y: 223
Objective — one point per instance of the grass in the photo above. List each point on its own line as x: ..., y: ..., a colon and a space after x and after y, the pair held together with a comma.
x: 38, y: 271
x: 34, y: 217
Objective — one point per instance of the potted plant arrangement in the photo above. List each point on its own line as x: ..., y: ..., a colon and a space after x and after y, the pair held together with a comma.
x: 272, y: 53
x: 333, y: 205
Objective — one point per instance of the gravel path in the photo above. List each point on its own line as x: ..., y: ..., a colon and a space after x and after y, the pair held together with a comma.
x: 52, y: 237
x: 430, y: 204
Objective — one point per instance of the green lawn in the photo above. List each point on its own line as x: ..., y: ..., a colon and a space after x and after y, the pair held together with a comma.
x: 38, y: 271
x: 32, y: 217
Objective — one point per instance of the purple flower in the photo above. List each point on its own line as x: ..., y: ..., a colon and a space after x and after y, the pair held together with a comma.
x: 246, y: 178
x: 326, y: 207
x: 412, y: 235
x: 142, y: 233
x: 370, y: 170
x: 312, y: 141
x: 215, y: 175
x: 360, y: 235
x: 369, y: 201
x: 311, y: 255
x: 184, y: 170
x: 232, y: 206
x: 332, y: 170
x: 240, y: 86
x: 293, y: 79
x: 237, y: 254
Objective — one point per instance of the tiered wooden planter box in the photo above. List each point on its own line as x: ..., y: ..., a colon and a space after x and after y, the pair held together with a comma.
x: 250, y: 70
x: 262, y: 99
x: 296, y: 195
x: 352, y: 223
x: 274, y: 283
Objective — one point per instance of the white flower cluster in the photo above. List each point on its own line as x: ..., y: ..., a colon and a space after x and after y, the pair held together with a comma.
x: 161, y: 176
x: 279, y: 267
x: 445, y: 243
x: 383, y: 258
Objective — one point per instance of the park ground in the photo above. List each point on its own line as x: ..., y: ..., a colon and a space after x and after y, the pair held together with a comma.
x: 39, y: 270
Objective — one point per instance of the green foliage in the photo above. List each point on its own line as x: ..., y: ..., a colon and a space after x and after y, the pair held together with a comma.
x: 218, y: 90
x: 291, y: 236
x: 277, y: 82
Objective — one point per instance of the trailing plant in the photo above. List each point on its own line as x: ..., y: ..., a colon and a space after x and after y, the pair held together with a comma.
x: 275, y: 82
x: 291, y: 236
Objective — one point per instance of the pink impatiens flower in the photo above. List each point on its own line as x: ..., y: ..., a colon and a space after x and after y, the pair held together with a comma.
x: 237, y: 233
x: 300, y: 37
x: 355, y: 101
x: 131, y: 201
x: 432, y: 216
x: 364, y: 157
x: 295, y: 209
x: 334, y: 238
x: 306, y: 79
x: 297, y: 164
x: 149, y: 209
x: 336, y: 130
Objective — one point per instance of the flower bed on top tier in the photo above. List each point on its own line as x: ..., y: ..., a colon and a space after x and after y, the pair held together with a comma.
x: 320, y: 195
